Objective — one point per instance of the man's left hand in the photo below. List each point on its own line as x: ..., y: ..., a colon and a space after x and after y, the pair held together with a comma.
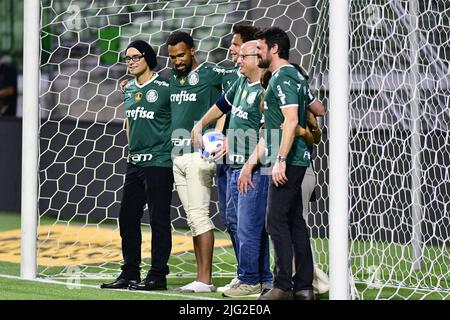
x: 279, y: 173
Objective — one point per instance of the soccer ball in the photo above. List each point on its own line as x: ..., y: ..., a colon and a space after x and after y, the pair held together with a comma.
x: 212, y: 143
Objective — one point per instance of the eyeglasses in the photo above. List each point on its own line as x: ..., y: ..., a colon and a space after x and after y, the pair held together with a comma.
x: 136, y: 58
x: 243, y: 56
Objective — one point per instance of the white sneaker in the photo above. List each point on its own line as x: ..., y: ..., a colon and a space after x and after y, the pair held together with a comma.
x: 234, y: 282
x: 197, y: 286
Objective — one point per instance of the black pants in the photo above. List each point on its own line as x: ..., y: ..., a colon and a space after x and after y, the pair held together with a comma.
x: 151, y: 185
x: 287, y: 229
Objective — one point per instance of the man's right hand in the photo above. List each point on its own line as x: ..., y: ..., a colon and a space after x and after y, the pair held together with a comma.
x: 245, y: 179
x: 122, y: 85
x: 196, y: 135
x: 311, y: 120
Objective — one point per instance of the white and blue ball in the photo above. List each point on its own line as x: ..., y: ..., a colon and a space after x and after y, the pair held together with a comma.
x: 212, y: 144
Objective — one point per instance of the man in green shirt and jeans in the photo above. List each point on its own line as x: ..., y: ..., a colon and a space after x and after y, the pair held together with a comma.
x: 248, y: 199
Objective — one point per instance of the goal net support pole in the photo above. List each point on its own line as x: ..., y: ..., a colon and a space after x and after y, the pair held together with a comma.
x: 417, y: 215
x: 339, y: 142
x: 30, y: 143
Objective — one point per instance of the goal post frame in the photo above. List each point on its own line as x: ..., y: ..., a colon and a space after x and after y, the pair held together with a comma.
x: 30, y: 140
x: 339, y: 149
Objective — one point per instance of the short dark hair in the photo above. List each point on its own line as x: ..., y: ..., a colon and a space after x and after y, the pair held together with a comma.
x: 180, y: 36
x: 246, y: 31
x: 273, y: 36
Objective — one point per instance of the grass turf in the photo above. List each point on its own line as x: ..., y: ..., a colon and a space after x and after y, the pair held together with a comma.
x: 387, y: 256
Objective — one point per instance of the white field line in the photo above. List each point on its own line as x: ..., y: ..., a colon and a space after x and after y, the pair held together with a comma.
x: 71, y: 284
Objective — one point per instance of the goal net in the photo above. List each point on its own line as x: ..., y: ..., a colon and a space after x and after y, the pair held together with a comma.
x: 399, y: 154
x: 399, y: 158
x: 82, y: 142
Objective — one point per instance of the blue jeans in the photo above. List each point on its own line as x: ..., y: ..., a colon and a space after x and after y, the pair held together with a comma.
x: 228, y: 217
x: 254, y: 258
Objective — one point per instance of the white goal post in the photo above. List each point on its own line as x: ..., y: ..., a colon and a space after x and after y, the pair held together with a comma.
x: 338, y: 157
x: 30, y: 140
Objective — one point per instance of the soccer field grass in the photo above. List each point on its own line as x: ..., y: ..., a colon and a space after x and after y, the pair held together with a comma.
x: 15, y: 289
x: 86, y: 288
x: 12, y: 287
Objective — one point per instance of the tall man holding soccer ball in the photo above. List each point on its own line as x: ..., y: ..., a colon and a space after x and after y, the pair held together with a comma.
x: 194, y: 87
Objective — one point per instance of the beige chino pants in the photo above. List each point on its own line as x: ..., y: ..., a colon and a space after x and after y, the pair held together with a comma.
x: 193, y: 180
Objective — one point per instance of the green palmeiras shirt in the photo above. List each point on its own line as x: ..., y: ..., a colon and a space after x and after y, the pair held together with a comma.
x: 230, y: 76
x: 191, y: 96
x: 147, y: 109
x: 286, y: 88
x: 245, y: 120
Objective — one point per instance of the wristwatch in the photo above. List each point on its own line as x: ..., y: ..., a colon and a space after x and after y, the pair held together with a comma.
x: 281, y: 159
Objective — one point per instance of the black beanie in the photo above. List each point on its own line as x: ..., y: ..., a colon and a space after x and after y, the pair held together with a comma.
x: 146, y: 50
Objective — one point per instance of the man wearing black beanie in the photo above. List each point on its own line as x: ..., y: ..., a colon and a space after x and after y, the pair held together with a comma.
x: 149, y: 176
x: 146, y: 50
